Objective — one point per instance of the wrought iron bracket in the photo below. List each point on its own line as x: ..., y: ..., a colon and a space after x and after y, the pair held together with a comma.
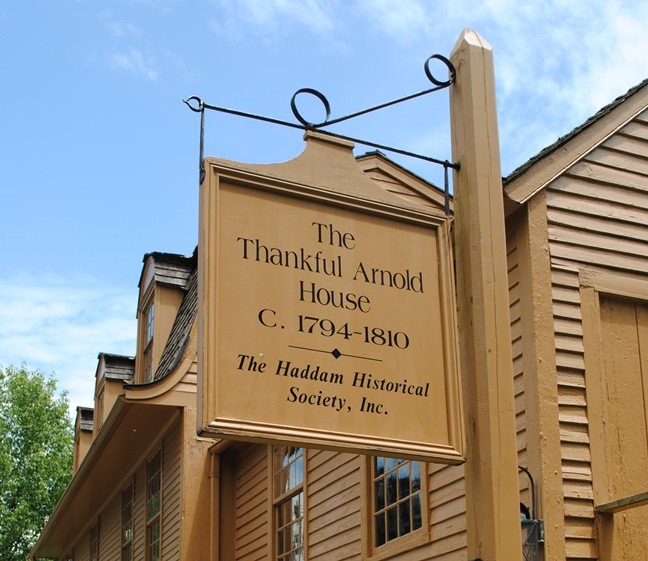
x: 197, y: 105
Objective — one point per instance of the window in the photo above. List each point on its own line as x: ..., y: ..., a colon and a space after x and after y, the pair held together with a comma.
x: 148, y: 342
x: 150, y: 316
x: 397, y: 499
x: 148, y: 364
x: 99, y: 409
x: 288, y: 494
x: 153, y: 506
x: 94, y: 542
x: 127, y: 524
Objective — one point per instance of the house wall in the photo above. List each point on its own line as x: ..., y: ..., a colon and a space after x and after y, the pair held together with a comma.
x: 82, y: 443
x: 109, y: 515
x: 337, y: 518
x: 333, y: 505
x: 336, y: 498
x: 597, y: 214
x: 253, y: 534
x: 518, y: 340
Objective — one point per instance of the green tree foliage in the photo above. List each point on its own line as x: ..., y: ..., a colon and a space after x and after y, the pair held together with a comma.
x: 36, y: 447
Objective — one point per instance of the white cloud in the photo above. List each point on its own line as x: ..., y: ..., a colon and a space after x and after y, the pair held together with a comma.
x: 268, y: 17
x: 60, y: 325
x: 122, y: 30
x: 557, y: 62
x: 135, y: 62
x: 402, y: 21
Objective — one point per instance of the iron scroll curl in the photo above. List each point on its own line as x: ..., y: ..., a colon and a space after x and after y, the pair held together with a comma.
x: 198, y: 108
x: 318, y: 95
x: 452, y: 73
x: 438, y: 85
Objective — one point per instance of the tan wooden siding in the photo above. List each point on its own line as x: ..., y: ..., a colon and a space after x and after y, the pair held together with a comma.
x: 82, y: 550
x: 446, y: 484
x: 110, y: 531
x: 517, y: 343
x: 333, y: 501
x: 171, y: 500
x: 252, y: 531
x: 189, y: 382
x: 139, y: 513
x: 447, y: 514
x: 597, y: 219
x: 110, y: 516
x: 400, y: 189
x: 574, y: 437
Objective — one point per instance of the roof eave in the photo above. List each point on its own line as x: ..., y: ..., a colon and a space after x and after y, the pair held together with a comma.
x: 129, y: 429
x: 532, y: 177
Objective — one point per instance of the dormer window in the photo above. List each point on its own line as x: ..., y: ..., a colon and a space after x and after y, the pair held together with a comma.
x: 148, y: 342
x: 148, y: 364
x: 150, y: 315
x: 162, y: 286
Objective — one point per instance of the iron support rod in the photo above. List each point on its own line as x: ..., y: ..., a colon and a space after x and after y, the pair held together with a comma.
x: 306, y: 125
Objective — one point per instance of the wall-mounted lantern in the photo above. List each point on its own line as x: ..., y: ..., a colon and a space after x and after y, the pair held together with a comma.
x: 532, y: 527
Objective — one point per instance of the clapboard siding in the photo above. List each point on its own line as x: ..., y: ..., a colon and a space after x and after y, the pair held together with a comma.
x: 82, y: 550
x: 334, y: 497
x: 518, y: 343
x: 397, y: 188
x: 399, y: 183
x: 110, y: 531
x: 189, y: 382
x: 619, y: 160
x: 252, y: 528
x: 572, y: 402
x: 171, y: 494
x: 446, y: 485
x: 589, y: 176
x: 597, y: 215
x: 139, y: 506
x: 110, y: 517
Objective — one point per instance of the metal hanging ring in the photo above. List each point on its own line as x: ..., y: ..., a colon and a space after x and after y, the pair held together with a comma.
x: 451, y: 71
x: 199, y: 108
x: 318, y: 95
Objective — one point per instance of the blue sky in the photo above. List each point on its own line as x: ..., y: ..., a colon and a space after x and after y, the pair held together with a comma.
x: 98, y: 154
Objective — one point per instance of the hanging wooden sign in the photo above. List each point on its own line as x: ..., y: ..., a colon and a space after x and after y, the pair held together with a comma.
x: 327, y: 314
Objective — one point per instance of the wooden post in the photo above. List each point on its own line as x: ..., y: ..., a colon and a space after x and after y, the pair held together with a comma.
x: 492, y: 496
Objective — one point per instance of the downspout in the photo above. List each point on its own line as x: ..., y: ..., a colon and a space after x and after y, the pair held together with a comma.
x: 214, y: 484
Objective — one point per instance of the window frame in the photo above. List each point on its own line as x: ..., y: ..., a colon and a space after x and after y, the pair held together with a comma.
x: 98, y: 417
x: 127, y: 544
x: 148, y: 332
x: 148, y: 363
x: 94, y: 540
x: 279, y: 499
x: 414, y: 538
x: 146, y: 329
x: 149, y: 322
x: 155, y: 520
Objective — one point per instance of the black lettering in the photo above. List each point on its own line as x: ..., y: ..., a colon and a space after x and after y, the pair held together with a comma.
x: 310, y: 292
x: 250, y: 364
x: 335, y: 237
x: 263, y: 313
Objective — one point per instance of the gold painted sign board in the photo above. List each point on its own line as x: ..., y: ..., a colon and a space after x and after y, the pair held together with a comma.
x: 326, y: 321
